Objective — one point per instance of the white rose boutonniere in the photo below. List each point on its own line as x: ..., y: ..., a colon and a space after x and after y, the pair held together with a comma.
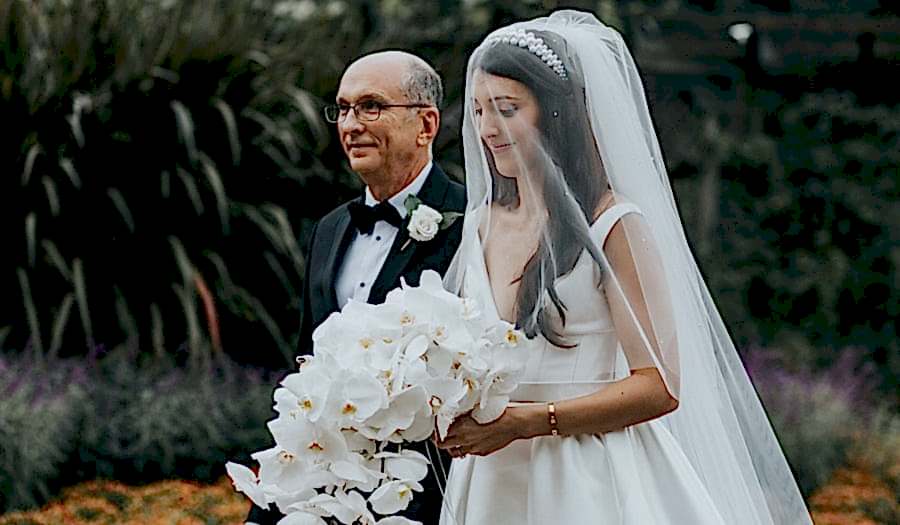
x: 424, y: 221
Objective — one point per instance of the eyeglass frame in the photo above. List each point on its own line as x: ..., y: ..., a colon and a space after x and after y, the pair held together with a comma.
x: 352, y: 107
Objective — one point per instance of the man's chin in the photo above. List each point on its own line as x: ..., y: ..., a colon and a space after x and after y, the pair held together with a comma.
x: 363, y: 165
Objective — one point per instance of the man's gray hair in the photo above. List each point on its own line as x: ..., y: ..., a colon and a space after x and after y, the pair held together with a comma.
x: 422, y: 85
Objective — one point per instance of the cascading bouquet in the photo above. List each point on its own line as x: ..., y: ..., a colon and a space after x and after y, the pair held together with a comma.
x: 379, y: 374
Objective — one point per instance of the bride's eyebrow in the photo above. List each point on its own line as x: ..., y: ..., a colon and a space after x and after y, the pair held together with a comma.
x: 500, y: 98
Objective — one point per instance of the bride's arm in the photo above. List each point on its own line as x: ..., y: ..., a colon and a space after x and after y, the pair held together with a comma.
x: 640, y: 397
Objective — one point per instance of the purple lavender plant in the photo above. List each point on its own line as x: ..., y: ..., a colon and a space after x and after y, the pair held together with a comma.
x: 41, y: 409
x: 816, y: 413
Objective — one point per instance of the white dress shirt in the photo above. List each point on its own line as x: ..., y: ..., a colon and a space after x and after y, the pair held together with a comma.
x: 367, y: 252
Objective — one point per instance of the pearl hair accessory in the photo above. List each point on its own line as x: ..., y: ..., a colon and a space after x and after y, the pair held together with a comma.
x: 536, y: 46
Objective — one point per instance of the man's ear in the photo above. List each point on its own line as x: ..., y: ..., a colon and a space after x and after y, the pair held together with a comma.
x: 430, y: 118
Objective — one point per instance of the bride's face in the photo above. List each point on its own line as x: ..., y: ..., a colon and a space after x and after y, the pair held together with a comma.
x: 506, y: 113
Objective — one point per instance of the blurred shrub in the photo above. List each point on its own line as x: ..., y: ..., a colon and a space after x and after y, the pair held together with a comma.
x: 800, y: 250
x: 127, y: 418
x: 157, y: 421
x: 41, y: 407
x: 816, y: 416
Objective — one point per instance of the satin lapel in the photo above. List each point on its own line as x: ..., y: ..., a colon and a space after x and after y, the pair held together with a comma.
x: 432, y: 193
x: 343, y: 234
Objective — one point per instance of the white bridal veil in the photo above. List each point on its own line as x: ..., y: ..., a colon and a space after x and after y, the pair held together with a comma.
x: 594, y: 134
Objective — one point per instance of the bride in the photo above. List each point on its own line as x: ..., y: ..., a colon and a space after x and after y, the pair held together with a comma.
x: 634, y: 406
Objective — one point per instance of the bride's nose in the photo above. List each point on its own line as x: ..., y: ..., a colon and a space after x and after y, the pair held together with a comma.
x: 488, y: 127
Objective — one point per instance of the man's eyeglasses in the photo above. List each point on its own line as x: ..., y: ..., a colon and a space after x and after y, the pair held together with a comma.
x: 366, y: 111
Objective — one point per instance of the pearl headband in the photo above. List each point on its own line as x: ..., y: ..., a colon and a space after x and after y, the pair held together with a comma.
x: 536, y: 46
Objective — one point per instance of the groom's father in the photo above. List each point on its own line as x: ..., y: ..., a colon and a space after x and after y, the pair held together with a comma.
x: 387, y: 116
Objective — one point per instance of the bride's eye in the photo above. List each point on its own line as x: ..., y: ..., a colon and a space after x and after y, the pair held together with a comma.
x: 477, y: 112
x: 508, y: 110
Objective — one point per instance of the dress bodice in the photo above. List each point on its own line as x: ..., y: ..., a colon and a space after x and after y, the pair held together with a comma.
x: 633, y: 476
x: 552, y: 372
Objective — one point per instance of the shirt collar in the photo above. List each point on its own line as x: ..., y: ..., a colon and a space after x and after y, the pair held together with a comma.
x: 411, y: 189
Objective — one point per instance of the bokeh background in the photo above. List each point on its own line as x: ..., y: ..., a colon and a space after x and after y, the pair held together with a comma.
x: 162, y: 163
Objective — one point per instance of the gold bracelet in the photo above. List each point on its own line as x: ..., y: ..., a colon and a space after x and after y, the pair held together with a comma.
x: 551, y: 413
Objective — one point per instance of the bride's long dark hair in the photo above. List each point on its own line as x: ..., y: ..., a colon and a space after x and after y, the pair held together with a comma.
x: 568, y: 140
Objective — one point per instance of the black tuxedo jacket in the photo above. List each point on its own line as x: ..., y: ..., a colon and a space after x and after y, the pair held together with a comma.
x: 332, y: 235
x: 329, y: 242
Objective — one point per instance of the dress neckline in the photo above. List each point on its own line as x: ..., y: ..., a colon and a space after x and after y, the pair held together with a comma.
x: 487, y: 276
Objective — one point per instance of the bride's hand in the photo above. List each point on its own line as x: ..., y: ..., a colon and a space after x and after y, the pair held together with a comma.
x: 467, y: 436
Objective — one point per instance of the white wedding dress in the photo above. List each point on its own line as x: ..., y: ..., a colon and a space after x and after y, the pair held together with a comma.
x: 635, y: 476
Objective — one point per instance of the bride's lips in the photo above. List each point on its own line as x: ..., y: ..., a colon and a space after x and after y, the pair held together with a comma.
x: 500, y: 148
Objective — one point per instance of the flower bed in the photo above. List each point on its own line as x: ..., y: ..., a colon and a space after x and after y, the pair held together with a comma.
x: 165, y: 502
x: 854, y: 497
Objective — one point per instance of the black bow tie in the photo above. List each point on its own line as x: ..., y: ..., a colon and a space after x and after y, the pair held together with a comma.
x: 364, y: 217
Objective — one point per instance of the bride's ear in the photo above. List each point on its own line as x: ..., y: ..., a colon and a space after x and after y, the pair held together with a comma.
x: 431, y: 123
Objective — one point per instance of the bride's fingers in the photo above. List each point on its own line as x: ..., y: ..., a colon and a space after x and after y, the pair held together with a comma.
x: 452, y: 439
x: 456, y: 452
x: 455, y: 440
x: 449, y: 443
x: 462, y: 434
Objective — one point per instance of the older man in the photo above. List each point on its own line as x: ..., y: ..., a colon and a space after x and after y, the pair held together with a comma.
x: 387, y: 116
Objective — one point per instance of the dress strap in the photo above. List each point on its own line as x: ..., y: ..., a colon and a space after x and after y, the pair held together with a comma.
x: 605, y: 222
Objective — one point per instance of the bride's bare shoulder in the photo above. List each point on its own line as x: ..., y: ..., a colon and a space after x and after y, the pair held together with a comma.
x: 607, y: 201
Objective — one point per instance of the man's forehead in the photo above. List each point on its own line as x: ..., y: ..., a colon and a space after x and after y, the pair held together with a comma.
x: 371, y: 78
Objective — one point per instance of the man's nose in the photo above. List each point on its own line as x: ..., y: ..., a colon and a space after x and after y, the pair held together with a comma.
x: 350, y: 123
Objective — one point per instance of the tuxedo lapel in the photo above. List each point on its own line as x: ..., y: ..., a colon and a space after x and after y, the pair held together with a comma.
x: 343, y: 234
x: 432, y: 194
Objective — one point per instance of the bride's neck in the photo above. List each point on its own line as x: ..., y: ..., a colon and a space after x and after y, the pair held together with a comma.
x: 529, y: 207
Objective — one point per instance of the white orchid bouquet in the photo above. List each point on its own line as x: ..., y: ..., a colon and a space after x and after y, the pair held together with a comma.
x: 379, y: 374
